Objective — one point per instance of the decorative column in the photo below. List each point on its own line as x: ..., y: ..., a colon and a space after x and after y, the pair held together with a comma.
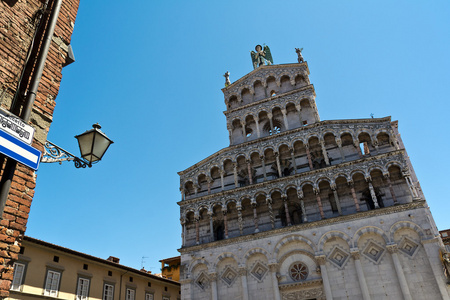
x: 263, y: 167
x: 235, y: 175
x: 302, y: 205
x: 257, y: 126
x: 230, y: 133
x: 222, y: 172
x: 319, y: 203
x: 325, y: 154
x: 244, y: 135
x: 359, y: 271
x: 312, y: 103
x: 249, y: 169
x: 358, y: 148
x: 225, y: 223
x: 183, y: 197
x: 277, y: 157
x: 209, y: 185
x: 243, y: 273
x: 276, y: 290
x: 339, y: 143
x: 241, y: 226
x: 183, y: 231
x: 197, y: 229
x: 412, y: 188
x: 211, y: 226
x: 326, y: 282
x: 299, y: 109
x: 399, y: 270
x: 213, y: 278
x: 431, y: 247
x: 372, y: 193
x: 286, y: 209
x: 269, y: 115
x: 196, y: 188
x: 391, y: 189
x: 255, y: 216
x: 308, y: 154
x: 283, y: 111
x: 352, y: 189
x: 336, y: 198
x: 293, y: 160
x: 269, y: 205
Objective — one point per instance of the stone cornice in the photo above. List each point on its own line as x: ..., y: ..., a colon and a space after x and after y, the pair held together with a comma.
x: 279, y: 136
x: 330, y: 170
x: 305, y: 226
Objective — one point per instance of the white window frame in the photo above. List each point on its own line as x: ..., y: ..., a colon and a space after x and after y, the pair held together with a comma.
x: 19, y: 271
x: 52, y: 283
x: 165, y: 298
x: 130, y: 295
x: 82, y: 289
x: 108, y: 295
x: 149, y: 296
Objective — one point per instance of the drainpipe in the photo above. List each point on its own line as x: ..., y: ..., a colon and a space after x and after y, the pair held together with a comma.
x: 120, y: 287
x: 10, y: 167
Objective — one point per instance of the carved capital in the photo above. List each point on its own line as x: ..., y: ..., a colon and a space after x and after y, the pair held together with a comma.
x: 213, y: 276
x: 273, y: 267
x: 392, y: 248
x: 321, y: 260
x: 355, y: 254
x: 242, y: 271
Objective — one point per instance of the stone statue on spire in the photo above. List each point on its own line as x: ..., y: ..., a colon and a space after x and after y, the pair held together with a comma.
x: 299, y: 54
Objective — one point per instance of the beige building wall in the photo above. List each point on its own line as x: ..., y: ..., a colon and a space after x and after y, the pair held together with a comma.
x: 40, y: 257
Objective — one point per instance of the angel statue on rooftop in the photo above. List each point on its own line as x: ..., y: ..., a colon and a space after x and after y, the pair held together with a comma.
x: 261, y: 56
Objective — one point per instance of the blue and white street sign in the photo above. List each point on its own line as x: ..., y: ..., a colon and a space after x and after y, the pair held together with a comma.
x: 19, y: 151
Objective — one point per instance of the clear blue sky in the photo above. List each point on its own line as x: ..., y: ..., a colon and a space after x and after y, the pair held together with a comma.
x: 150, y: 72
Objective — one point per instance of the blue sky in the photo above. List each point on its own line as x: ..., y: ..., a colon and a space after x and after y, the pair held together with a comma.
x: 150, y: 72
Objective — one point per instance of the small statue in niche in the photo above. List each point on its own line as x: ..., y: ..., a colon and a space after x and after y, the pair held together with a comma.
x: 227, y: 78
x: 299, y: 54
x: 261, y: 56
x: 445, y: 258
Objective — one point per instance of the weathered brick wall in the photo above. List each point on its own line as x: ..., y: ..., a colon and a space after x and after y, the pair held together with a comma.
x: 17, y: 28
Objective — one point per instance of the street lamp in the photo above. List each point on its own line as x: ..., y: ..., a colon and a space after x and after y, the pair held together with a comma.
x: 93, y: 145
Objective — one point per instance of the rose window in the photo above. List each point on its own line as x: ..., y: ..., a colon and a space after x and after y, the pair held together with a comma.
x: 298, y: 271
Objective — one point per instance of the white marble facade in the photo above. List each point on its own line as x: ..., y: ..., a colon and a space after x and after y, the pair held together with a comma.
x: 298, y: 208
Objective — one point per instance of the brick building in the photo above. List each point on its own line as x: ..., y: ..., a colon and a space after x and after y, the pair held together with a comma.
x: 302, y: 208
x: 28, y: 89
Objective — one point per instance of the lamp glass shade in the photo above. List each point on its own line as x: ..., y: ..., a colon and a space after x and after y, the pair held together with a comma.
x: 93, y: 144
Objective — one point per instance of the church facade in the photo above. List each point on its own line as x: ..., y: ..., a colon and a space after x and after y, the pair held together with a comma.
x: 299, y: 208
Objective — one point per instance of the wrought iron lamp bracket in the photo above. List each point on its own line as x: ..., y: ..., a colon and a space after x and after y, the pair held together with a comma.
x: 54, y: 153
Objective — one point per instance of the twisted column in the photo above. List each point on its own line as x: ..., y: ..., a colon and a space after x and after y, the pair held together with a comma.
x: 272, y: 219
x: 308, y: 154
x: 352, y: 189
x: 286, y: 209
x: 319, y: 203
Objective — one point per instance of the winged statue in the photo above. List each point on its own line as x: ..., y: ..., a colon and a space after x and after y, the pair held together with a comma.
x: 261, y: 56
